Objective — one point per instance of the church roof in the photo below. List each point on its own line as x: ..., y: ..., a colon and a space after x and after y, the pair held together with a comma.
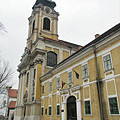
x: 48, y: 3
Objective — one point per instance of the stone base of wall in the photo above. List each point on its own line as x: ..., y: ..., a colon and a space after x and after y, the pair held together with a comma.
x: 32, y: 118
x: 18, y: 114
x: 18, y: 118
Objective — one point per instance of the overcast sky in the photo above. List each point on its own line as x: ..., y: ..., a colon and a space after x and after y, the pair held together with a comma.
x: 79, y: 21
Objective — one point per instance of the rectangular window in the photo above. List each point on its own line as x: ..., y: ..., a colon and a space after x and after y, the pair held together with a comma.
x: 113, y: 105
x: 27, y: 79
x: 107, y: 62
x: 85, y: 71
x: 34, y: 75
x: 58, y: 82
x: 46, y: 111
x: 87, y: 107
x: 69, y: 77
x: 42, y: 111
x: 42, y: 89
x: 50, y: 86
x: 50, y: 110
x: 58, y: 109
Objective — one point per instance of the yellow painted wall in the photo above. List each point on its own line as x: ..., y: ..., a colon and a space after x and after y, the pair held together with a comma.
x: 50, y: 35
x: 111, y: 88
x: 86, y: 92
x: 38, y: 89
x: 101, y: 69
x: 116, y: 60
x: 78, y: 81
x: 92, y: 69
x: 64, y: 78
x: 58, y: 55
x: 48, y: 48
x: 65, y: 54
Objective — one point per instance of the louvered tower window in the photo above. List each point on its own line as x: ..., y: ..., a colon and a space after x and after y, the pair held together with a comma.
x: 46, y: 24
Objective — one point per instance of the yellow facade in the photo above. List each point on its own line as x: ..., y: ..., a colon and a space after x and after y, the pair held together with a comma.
x: 55, y: 85
x: 109, y: 85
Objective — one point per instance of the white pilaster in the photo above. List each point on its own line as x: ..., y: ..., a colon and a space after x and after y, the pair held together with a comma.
x: 29, y: 85
x: 61, y: 55
x: 64, y: 111
x: 21, y: 98
x: 40, y: 21
x: 17, y: 118
x: 78, y: 104
x: 20, y: 81
x: 54, y: 26
x: 36, y: 23
x: 32, y: 118
x: 23, y: 84
x: 29, y: 30
x: 18, y: 99
x: 36, y: 67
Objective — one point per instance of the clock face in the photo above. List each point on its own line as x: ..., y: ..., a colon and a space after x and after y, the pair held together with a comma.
x: 47, y: 10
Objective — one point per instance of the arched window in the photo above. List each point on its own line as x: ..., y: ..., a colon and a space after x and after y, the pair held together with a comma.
x: 51, y: 59
x: 46, y: 24
x: 33, y: 26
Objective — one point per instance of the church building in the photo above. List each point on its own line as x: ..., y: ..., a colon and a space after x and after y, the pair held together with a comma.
x: 59, y: 80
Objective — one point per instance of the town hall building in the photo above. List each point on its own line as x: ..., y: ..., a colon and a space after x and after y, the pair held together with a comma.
x: 59, y: 80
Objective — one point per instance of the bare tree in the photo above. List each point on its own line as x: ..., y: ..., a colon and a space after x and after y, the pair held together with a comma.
x: 5, y: 71
x: 5, y: 83
x: 5, y: 75
x: 2, y: 28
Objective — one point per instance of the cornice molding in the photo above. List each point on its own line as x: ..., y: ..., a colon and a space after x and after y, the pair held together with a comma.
x: 81, y: 54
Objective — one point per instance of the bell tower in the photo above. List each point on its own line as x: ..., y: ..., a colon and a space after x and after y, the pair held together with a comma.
x: 43, y: 52
x: 43, y: 21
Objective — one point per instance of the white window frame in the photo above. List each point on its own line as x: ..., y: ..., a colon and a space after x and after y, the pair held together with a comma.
x: 88, y: 99
x: 59, y: 109
x: 51, y: 110
x: 42, y: 89
x: 110, y: 59
x: 71, y: 76
x: 50, y: 86
x: 58, y: 86
x: 83, y: 77
x: 111, y: 96
x: 43, y: 23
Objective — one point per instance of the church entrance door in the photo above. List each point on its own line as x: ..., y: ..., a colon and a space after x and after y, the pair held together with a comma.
x: 71, y: 108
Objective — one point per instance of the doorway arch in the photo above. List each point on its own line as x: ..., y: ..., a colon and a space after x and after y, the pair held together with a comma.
x: 71, y: 108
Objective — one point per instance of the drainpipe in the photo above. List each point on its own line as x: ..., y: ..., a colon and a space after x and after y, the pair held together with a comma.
x: 98, y: 84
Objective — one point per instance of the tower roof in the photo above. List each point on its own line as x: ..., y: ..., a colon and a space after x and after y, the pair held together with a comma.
x: 48, y: 3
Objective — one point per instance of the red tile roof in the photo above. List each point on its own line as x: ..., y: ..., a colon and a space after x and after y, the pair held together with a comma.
x: 12, y: 104
x: 12, y: 93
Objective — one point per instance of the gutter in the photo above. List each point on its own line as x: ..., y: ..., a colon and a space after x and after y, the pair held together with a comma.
x: 98, y: 84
